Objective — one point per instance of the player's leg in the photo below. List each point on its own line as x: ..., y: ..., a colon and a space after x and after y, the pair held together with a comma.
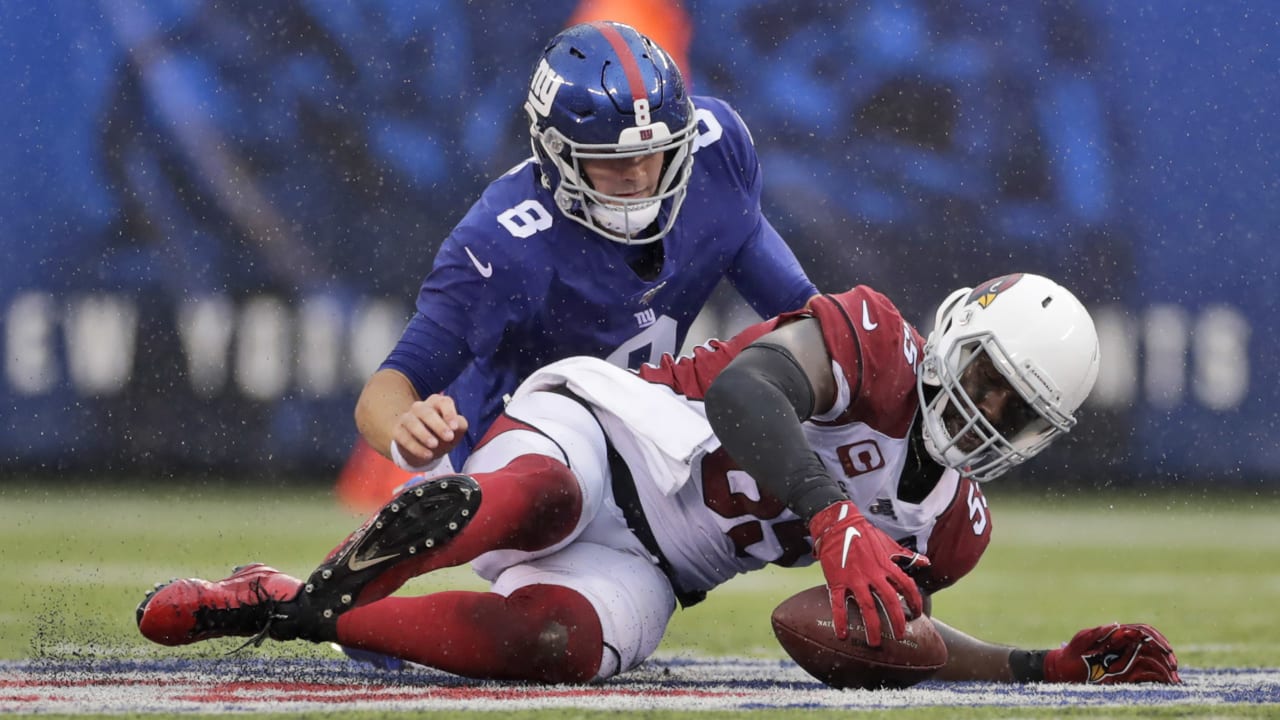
x: 587, y: 611
x: 523, y: 498
x: 547, y: 424
x: 256, y: 597
x: 530, y: 502
x: 174, y: 613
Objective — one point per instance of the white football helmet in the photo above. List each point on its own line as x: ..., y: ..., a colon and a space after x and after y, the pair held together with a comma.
x: 1039, y: 338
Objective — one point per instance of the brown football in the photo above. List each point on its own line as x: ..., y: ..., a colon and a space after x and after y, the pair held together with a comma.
x: 804, y: 628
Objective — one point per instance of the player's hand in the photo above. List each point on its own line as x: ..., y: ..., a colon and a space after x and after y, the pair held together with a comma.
x: 858, y: 558
x: 429, y: 429
x: 1114, y: 653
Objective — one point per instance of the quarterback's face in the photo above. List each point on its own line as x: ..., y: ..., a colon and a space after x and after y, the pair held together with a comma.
x: 632, y: 178
x: 995, y: 398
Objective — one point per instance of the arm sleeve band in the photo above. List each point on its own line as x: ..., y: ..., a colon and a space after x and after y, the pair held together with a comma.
x: 1027, y: 666
x: 755, y: 406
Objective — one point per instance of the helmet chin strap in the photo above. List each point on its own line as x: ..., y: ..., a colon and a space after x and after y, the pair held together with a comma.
x: 627, y: 220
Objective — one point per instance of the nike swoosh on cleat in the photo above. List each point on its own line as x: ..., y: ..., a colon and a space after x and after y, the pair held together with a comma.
x: 358, y: 565
x: 486, y: 269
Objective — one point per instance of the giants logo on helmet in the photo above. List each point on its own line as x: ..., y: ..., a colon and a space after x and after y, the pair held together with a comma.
x: 988, y: 293
x: 543, y: 88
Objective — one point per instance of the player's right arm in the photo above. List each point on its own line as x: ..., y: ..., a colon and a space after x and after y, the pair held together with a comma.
x: 476, y: 289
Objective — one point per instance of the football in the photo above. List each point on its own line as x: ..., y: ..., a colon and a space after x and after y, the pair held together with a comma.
x: 804, y: 629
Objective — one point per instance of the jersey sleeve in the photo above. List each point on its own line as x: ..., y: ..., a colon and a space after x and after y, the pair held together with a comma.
x: 722, y: 131
x: 691, y: 375
x: 765, y: 272
x: 428, y: 355
x: 878, y: 353
x: 478, y: 287
x: 960, y: 536
x: 488, y: 275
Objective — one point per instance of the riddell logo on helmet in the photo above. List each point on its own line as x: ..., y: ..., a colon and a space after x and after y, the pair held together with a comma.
x: 989, y: 291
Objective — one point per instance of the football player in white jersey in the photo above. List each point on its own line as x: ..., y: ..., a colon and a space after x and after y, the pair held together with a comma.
x: 602, y: 498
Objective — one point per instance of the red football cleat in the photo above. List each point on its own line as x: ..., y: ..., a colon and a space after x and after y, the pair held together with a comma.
x: 181, y: 612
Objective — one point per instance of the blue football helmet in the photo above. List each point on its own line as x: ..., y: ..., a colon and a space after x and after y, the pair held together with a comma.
x: 602, y: 90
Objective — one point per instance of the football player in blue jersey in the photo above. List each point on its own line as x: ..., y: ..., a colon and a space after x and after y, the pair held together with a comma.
x: 638, y: 201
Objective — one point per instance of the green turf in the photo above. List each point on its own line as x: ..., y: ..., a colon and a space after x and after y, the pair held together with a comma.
x: 77, y: 559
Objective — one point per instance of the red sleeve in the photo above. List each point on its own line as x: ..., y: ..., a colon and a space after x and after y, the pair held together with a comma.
x: 691, y: 375
x: 960, y: 536
x: 878, y: 352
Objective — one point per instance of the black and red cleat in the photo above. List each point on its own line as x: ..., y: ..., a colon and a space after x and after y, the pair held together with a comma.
x: 181, y: 612
x: 419, y: 520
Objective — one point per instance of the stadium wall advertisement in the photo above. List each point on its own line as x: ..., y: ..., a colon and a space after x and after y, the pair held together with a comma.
x: 215, y: 216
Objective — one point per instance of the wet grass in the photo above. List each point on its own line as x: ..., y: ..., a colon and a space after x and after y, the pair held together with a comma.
x: 77, y: 559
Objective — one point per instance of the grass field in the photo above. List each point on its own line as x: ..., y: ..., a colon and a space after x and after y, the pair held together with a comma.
x: 1205, y: 570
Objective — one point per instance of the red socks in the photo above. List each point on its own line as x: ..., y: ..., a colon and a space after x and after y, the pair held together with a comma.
x: 543, y: 633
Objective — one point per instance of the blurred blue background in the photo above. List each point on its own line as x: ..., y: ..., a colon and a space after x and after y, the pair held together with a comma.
x: 216, y: 214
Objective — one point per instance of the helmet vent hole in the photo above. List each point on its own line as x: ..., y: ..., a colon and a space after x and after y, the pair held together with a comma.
x: 1045, y: 302
x: 577, y: 53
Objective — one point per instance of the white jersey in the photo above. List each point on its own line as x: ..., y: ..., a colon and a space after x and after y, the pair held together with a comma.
x: 667, y: 514
x: 709, y: 519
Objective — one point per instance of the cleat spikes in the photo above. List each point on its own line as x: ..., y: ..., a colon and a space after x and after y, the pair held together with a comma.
x: 419, y: 518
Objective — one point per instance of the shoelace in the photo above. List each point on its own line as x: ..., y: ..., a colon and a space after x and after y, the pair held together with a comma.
x: 228, y: 617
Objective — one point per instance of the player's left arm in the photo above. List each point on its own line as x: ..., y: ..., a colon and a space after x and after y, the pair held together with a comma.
x: 767, y: 274
x: 765, y: 271
x: 1104, y: 655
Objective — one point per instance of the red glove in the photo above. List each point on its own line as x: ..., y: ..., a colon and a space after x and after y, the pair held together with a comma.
x: 859, y: 558
x: 1112, y: 654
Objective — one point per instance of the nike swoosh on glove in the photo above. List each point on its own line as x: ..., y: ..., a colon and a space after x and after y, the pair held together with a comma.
x: 858, y: 559
x: 1115, y: 653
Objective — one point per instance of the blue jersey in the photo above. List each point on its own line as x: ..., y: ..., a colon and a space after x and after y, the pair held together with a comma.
x: 517, y: 285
